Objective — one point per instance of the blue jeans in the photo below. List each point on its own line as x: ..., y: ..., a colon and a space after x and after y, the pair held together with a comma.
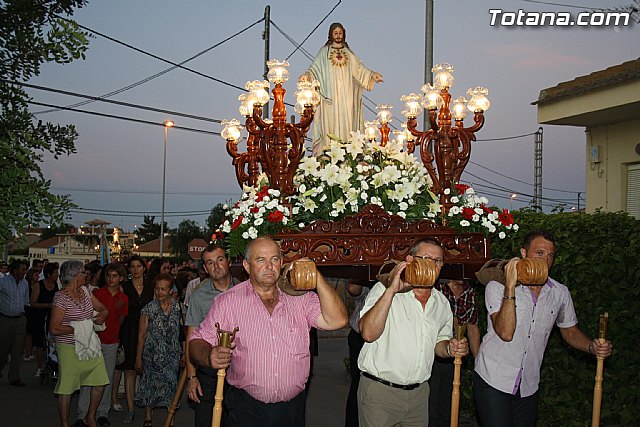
x: 499, y: 409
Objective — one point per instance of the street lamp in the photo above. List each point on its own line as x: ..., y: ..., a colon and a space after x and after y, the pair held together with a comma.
x: 513, y: 196
x: 167, y: 124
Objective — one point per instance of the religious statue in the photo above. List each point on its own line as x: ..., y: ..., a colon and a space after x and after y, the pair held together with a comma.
x: 341, y: 76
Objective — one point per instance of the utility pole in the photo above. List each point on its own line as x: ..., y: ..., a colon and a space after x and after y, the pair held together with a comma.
x: 266, y: 36
x: 428, y: 54
x: 537, y: 170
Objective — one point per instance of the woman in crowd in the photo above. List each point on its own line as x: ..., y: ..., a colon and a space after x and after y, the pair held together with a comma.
x: 157, y: 266
x: 71, y: 306
x: 139, y: 292
x: 159, y: 349
x: 41, y: 302
x: 32, y: 280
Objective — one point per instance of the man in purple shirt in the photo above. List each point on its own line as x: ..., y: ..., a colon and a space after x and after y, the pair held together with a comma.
x: 507, y: 368
x: 269, y: 364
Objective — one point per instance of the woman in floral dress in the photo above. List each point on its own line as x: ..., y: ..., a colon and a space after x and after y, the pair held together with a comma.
x: 159, y: 349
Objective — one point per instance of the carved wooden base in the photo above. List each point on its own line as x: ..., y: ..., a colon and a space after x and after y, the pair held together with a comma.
x: 358, y: 245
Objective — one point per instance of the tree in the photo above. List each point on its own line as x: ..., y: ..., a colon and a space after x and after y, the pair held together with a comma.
x: 215, y: 219
x: 32, y: 33
x: 180, y: 237
x: 150, y: 230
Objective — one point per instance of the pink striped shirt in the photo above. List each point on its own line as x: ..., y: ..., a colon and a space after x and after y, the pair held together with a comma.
x: 271, y: 357
x: 73, y: 310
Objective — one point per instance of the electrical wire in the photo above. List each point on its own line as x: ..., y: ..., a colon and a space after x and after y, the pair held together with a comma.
x: 154, y: 76
x: 520, y: 181
x: 562, y: 5
x: 315, y: 28
x: 121, y: 191
x: 159, y: 58
x: 129, y: 119
x: 110, y: 101
x: 506, y: 137
x: 138, y: 212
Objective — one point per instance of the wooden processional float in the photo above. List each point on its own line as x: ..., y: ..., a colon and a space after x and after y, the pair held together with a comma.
x: 357, y: 246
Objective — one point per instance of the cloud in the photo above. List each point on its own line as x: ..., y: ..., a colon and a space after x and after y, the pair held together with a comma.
x: 527, y: 56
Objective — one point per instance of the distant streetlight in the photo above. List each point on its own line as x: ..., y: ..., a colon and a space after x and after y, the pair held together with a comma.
x: 513, y: 196
x: 167, y: 124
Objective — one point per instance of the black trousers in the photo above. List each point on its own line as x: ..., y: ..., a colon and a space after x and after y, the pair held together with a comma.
x: 355, y: 342
x: 245, y: 411
x: 499, y: 409
x: 441, y: 384
x: 204, y: 410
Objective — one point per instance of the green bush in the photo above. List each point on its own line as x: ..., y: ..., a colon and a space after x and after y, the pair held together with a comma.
x: 598, y: 259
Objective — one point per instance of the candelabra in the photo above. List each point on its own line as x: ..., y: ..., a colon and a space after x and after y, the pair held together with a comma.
x: 446, y: 144
x: 274, y: 147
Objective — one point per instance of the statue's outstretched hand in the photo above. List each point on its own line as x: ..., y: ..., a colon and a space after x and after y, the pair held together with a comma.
x: 377, y: 77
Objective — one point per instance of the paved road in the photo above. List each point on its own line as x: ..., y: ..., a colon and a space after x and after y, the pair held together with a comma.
x: 35, y: 404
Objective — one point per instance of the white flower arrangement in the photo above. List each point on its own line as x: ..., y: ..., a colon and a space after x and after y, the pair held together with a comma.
x: 258, y: 212
x: 349, y: 175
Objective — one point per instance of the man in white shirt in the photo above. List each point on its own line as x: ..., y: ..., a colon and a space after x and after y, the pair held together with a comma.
x: 404, y: 328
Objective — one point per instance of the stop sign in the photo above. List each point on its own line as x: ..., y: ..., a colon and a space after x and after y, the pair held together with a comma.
x: 196, y: 246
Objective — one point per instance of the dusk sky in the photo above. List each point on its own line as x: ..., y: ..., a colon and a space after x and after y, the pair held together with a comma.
x: 117, y: 171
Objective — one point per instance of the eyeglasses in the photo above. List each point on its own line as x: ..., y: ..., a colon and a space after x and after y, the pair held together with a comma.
x: 438, y: 261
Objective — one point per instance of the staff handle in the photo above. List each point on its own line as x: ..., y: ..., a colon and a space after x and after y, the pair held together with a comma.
x: 460, y: 328
x: 217, y: 407
x: 176, y: 398
x: 597, y: 389
x: 597, y: 393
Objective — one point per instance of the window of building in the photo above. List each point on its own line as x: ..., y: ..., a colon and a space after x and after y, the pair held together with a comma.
x: 633, y: 190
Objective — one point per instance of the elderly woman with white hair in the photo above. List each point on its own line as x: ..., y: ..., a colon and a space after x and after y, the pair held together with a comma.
x: 78, y: 365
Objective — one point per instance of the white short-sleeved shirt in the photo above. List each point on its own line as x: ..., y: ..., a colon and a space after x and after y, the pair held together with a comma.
x: 404, y: 353
x: 499, y: 362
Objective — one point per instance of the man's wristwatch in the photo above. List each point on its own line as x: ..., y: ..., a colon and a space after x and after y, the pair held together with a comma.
x: 189, y: 378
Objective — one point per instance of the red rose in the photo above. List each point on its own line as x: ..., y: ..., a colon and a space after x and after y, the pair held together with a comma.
x: 254, y: 209
x: 275, y: 216
x: 468, y: 213
x: 486, y: 209
x: 237, y: 222
x: 461, y: 188
x: 262, y: 193
x: 505, y: 217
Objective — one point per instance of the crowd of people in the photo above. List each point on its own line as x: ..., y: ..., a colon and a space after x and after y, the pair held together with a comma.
x: 97, y: 322
x: 133, y: 318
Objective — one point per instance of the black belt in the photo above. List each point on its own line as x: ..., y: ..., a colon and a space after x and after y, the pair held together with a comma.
x: 389, y: 383
x: 12, y: 317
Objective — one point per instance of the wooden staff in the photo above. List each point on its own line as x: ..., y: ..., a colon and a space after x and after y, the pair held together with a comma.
x: 176, y: 398
x: 457, y: 362
x: 597, y: 389
x: 224, y: 340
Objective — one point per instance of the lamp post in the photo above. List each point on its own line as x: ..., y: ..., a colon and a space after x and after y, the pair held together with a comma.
x: 167, y: 124
x: 513, y: 196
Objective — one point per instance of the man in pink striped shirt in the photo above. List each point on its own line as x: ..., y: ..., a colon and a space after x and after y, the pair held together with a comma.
x: 269, y: 365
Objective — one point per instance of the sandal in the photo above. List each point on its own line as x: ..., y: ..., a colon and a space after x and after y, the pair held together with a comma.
x: 147, y: 423
x: 128, y: 417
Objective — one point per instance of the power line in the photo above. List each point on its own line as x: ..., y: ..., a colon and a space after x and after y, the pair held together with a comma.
x: 154, y: 76
x: 129, y: 119
x: 110, y: 101
x: 159, y: 58
x: 520, y: 181
x: 104, y: 190
x: 133, y: 215
x: 507, y: 137
x: 315, y: 28
x: 562, y: 5
x: 138, y: 212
